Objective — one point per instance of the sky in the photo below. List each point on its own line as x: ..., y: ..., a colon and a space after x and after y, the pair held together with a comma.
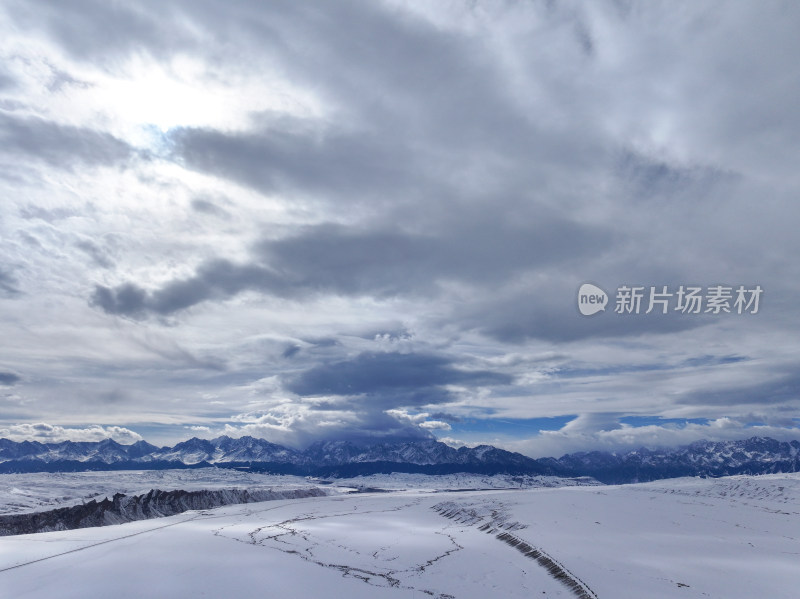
x: 370, y: 221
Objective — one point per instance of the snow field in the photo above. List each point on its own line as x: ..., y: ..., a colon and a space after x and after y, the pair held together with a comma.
x: 735, y: 538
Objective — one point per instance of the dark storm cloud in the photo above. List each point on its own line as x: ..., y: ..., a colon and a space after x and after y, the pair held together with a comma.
x: 479, y: 248
x: 312, y: 345
x: 770, y: 391
x: 566, y: 372
x: 421, y: 103
x: 9, y: 378
x: 323, y: 341
x: 549, y: 311
x: 370, y: 424
x: 209, y: 207
x: 100, y: 31
x: 709, y: 360
x: 8, y: 284
x: 648, y: 178
x: 338, y: 259
x: 127, y: 299
x: 6, y: 80
x: 403, y: 378
x: 290, y: 351
x: 59, y: 145
x: 217, y: 279
x: 559, y: 325
x: 425, y: 112
x: 445, y: 417
x: 389, y: 399
x: 384, y: 157
x: 271, y: 161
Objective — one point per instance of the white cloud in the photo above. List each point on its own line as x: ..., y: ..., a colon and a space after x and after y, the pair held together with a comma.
x: 199, y: 429
x: 420, y: 420
x: 452, y: 442
x: 435, y: 425
x: 612, y: 436
x: 48, y: 433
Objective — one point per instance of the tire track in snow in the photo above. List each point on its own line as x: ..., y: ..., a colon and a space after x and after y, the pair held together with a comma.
x: 135, y: 534
x: 558, y: 571
x: 201, y: 515
x: 390, y: 578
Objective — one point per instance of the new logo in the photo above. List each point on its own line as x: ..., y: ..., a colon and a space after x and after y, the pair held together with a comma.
x: 591, y: 299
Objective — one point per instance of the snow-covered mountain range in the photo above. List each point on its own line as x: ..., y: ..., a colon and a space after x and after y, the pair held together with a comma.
x: 757, y: 455
x: 337, y: 458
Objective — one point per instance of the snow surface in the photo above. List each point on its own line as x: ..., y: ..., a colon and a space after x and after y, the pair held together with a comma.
x: 399, y: 481
x: 728, y: 538
x: 33, y: 492
x: 37, y: 491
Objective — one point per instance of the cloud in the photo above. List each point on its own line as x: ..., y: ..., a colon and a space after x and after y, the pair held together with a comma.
x: 99, y: 256
x: 215, y: 279
x: 127, y: 299
x: 548, y: 311
x: 123, y: 30
x: 200, y: 429
x: 420, y: 419
x: 8, y: 284
x: 435, y: 425
x: 391, y: 379
x: 383, y: 98
x: 271, y: 162
x: 6, y: 81
x: 48, y: 433
x: 652, y: 179
x: 208, y: 207
x: 780, y: 389
x: 57, y: 145
x: 331, y: 258
x: 453, y: 442
x: 320, y: 219
x: 290, y: 351
x: 605, y: 433
x: 300, y: 424
x: 9, y: 378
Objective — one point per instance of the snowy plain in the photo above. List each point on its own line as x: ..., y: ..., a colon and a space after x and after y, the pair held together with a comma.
x: 33, y: 492
x: 727, y: 538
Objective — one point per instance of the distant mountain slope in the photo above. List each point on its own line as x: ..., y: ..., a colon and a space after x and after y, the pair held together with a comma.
x: 329, y: 458
x: 757, y: 455
x: 106, y: 451
x: 225, y: 449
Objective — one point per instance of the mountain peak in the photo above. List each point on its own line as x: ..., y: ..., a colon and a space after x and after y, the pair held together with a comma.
x: 756, y: 455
